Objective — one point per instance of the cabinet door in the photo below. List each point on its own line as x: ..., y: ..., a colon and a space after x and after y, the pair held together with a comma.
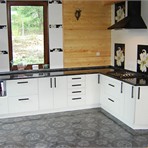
x: 141, y: 112
x: 3, y: 17
x: 3, y: 105
x: 45, y: 93
x: 129, y: 104
x: 93, y: 89
x: 60, y: 92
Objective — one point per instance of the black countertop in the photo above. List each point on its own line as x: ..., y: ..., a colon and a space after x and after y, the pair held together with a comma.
x: 136, y: 80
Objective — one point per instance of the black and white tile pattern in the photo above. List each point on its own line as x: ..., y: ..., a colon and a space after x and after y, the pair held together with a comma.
x: 55, y: 1
x: 84, y: 128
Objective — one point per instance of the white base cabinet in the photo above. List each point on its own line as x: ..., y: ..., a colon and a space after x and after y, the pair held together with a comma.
x: 136, y: 106
x: 3, y: 105
x: 93, y: 90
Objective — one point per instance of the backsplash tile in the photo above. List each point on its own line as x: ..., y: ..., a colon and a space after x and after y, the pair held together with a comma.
x: 142, y: 59
x: 119, y: 55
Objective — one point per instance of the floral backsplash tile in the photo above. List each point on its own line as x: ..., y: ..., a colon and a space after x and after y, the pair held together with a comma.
x: 119, y: 55
x: 142, y: 59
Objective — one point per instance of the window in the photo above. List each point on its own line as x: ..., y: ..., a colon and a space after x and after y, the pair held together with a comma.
x: 28, y: 33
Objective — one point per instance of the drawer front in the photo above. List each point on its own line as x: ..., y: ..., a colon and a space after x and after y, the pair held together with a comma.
x: 76, y: 78
x: 22, y: 87
x: 111, y: 86
x: 110, y: 104
x: 76, y: 91
x: 3, y: 105
x: 23, y: 104
x: 76, y: 100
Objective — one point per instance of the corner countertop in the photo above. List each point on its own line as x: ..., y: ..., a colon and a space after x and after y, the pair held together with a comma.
x: 105, y: 70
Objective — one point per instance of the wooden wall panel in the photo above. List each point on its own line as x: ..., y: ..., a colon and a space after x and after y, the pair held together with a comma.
x: 87, y: 36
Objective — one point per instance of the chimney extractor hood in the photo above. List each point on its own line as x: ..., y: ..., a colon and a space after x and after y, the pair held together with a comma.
x: 133, y: 20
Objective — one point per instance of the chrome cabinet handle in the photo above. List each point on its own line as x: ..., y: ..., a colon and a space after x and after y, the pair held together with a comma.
x: 111, y: 85
x: 22, y: 82
x: 76, y: 85
x: 76, y: 98
x: 23, y: 99
x: 111, y: 100
x: 76, y: 78
x: 121, y: 87
x: 132, y: 94
x: 98, y: 79
x: 55, y: 82
x: 138, y: 93
x: 76, y: 91
x: 50, y: 82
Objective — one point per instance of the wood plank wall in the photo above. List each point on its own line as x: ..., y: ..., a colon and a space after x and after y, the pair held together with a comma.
x: 85, y: 37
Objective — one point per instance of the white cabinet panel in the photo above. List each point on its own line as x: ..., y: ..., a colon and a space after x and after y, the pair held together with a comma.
x: 22, y: 87
x: 141, y: 112
x: 3, y: 39
x: 21, y: 104
x: 60, y: 92
x: 129, y: 104
x: 3, y: 16
x: 93, y: 89
x: 45, y: 94
x: 55, y: 13
x: 3, y: 105
x: 4, y: 62
x: 55, y: 38
x: 56, y: 60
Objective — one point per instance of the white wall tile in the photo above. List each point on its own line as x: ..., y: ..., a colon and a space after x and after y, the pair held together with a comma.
x: 55, y: 14
x: 3, y: 17
x: 55, y: 38
x: 3, y: 39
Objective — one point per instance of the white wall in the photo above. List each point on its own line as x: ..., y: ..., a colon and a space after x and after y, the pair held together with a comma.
x: 131, y: 38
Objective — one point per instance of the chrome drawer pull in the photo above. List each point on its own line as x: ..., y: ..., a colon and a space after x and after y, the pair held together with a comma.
x: 22, y: 82
x: 132, y: 96
x: 76, y: 98
x: 23, y: 99
x: 111, y: 85
x: 111, y: 100
x: 76, y: 92
x: 76, y: 78
x: 76, y: 85
x: 138, y: 93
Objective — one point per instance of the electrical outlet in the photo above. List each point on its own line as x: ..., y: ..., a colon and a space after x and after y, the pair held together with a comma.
x: 97, y: 53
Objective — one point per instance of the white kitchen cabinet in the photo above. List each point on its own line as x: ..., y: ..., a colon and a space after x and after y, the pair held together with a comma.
x: 129, y: 104
x: 76, y: 91
x: 136, y: 106
x: 22, y: 87
x: 93, y: 89
x: 22, y: 95
x: 26, y: 103
x: 111, y: 96
x: 60, y: 91
x: 52, y: 93
x: 45, y: 94
x: 141, y: 112
x: 3, y: 105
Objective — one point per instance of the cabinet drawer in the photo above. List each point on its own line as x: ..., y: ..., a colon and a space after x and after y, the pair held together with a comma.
x: 3, y: 105
x: 110, y: 104
x: 76, y: 91
x: 22, y: 87
x: 23, y: 104
x: 76, y: 78
x: 76, y: 100
x: 111, y: 86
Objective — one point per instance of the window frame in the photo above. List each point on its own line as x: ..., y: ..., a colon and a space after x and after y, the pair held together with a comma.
x: 45, y: 30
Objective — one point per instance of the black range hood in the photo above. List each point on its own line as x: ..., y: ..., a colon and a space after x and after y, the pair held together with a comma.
x: 133, y: 20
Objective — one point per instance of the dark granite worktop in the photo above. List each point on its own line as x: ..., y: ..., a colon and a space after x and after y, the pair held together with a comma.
x: 137, y: 79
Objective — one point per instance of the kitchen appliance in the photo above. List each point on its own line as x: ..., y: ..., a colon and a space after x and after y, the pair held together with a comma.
x: 133, y: 20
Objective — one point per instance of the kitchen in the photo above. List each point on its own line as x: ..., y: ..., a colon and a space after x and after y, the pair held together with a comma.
x: 80, y: 40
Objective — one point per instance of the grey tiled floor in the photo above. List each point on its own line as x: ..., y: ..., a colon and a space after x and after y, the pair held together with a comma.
x: 85, y: 128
